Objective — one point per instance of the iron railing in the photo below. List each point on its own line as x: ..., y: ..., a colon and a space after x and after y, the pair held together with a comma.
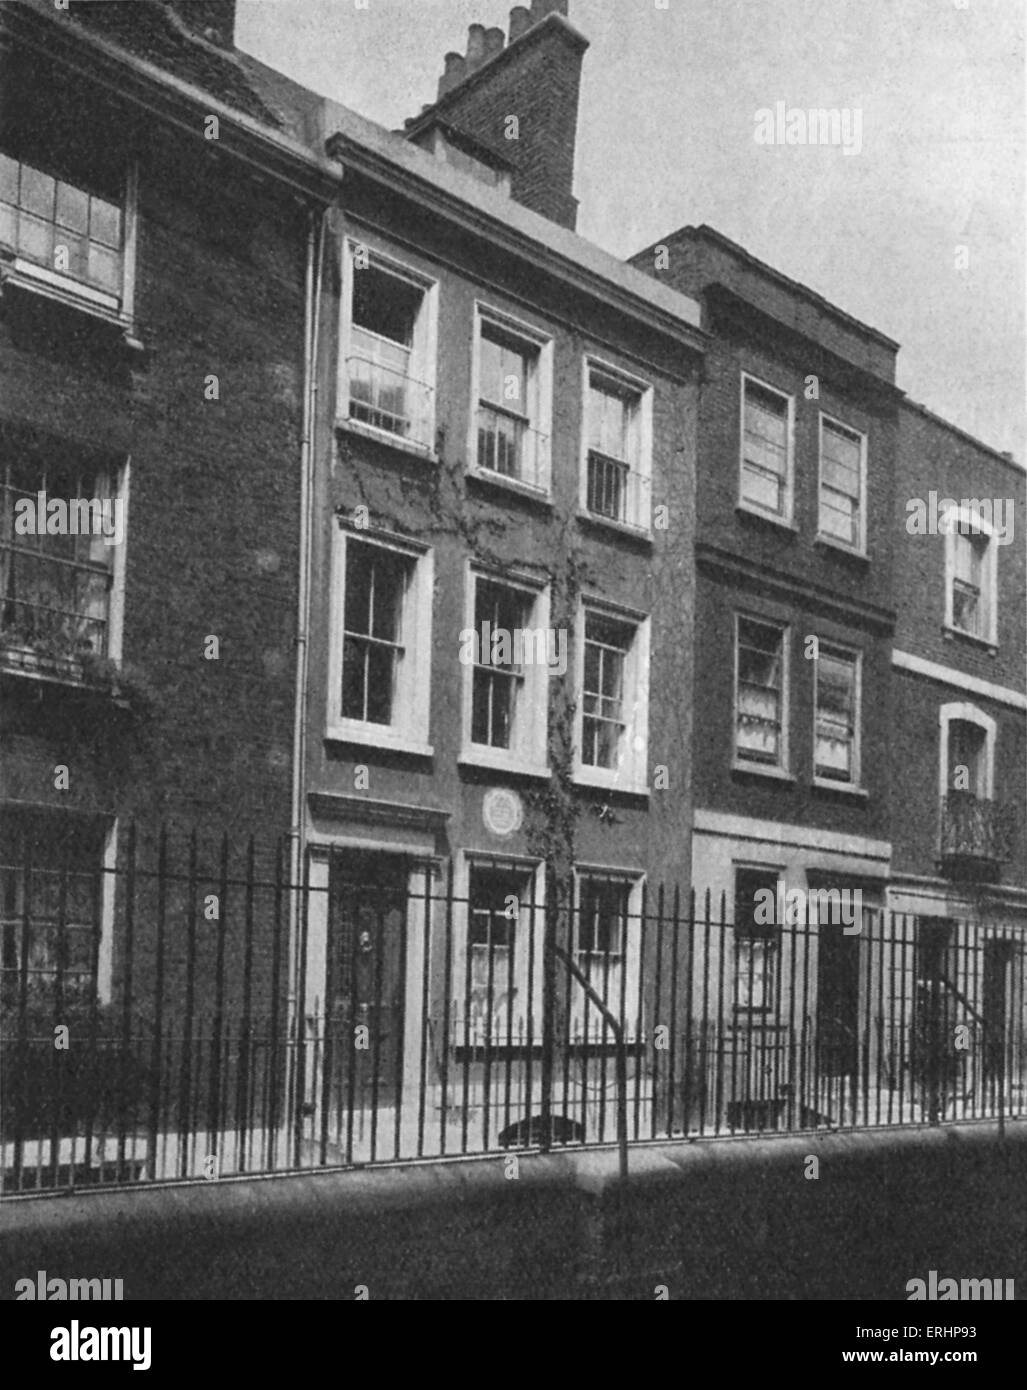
x: 234, y: 1021
x: 975, y: 831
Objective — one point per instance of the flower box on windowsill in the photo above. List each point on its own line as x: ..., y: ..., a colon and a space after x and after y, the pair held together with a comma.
x: 92, y: 676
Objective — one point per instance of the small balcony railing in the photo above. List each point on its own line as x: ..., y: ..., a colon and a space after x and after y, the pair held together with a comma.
x: 616, y: 492
x: 509, y: 447
x: 387, y: 399
x: 976, y: 835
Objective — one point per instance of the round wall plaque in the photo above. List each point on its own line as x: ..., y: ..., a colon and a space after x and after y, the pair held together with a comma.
x: 502, y: 811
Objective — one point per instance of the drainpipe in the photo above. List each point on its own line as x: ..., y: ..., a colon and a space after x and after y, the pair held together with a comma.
x: 316, y: 232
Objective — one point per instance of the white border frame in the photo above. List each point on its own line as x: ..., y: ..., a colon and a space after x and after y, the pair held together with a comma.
x: 829, y: 783
x: 418, y: 621
x: 427, y: 348
x: 860, y: 547
x: 784, y: 767
x: 784, y: 518
x: 536, y: 685
x: 966, y: 713
x: 947, y: 525
x: 645, y: 392
x: 626, y: 777
x: 542, y: 342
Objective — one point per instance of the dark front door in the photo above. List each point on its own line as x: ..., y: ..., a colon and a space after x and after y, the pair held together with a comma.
x: 837, y: 1000
x: 366, y: 955
x: 935, y: 1060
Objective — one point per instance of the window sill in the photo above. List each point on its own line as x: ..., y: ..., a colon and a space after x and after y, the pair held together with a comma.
x: 17, y: 274
x: 840, y: 548
x: 744, y: 509
x: 822, y: 784
x: 772, y: 774
x: 371, y: 737
x: 495, y: 762
x: 642, y: 534
x: 953, y: 634
x: 388, y: 439
x: 486, y: 480
x: 606, y: 780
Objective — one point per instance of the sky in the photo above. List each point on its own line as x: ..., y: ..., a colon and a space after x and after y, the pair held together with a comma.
x: 920, y: 234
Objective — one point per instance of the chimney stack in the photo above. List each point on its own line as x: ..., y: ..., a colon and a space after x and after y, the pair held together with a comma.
x: 456, y: 69
x: 534, y: 77
x: 520, y: 22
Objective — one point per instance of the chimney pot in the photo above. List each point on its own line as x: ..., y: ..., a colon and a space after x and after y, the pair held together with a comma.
x: 454, y: 73
x: 541, y: 8
x: 475, y: 46
x: 520, y: 21
x: 495, y: 41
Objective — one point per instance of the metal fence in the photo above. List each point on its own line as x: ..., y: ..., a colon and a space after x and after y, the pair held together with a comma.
x: 176, y: 1018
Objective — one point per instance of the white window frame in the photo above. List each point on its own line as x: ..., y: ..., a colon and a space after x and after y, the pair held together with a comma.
x: 530, y: 755
x: 633, y: 773
x: 752, y: 765
x: 855, y: 783
x: 961, y: 712
x: 630, y: 961
x: 409, y: 731
x: 860, y: 545
x: 67, y: 289
x: 642, y: 469
x: 784, y: 517
x: 423, y: 354
x: 948, y: 522
x: 527, y: 987
x: 540, y: 428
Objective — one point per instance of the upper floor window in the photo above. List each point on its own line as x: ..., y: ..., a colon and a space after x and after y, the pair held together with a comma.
x: 66, y: 233
x: 614, y: 703
x: 618, y: 447
x: 967, y: 751
x: 766, y: 462
x: 62, y: 529
x: 506, y: 651
x: 842, y: 484
x: 514, y: 390
x: 388, y: 347
x: 971, y: 574
x: 381, y: 649
x: 760, y: 693
x: 837, y: 719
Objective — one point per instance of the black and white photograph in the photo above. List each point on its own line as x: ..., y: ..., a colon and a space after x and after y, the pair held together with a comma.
x: 513, y: 670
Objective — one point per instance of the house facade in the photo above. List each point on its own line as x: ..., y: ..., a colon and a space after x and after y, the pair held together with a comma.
x: 154, y: 228
x: 494, y: 737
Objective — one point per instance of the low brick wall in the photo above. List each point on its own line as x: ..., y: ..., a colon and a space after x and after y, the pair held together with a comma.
x: 715, y: 1219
